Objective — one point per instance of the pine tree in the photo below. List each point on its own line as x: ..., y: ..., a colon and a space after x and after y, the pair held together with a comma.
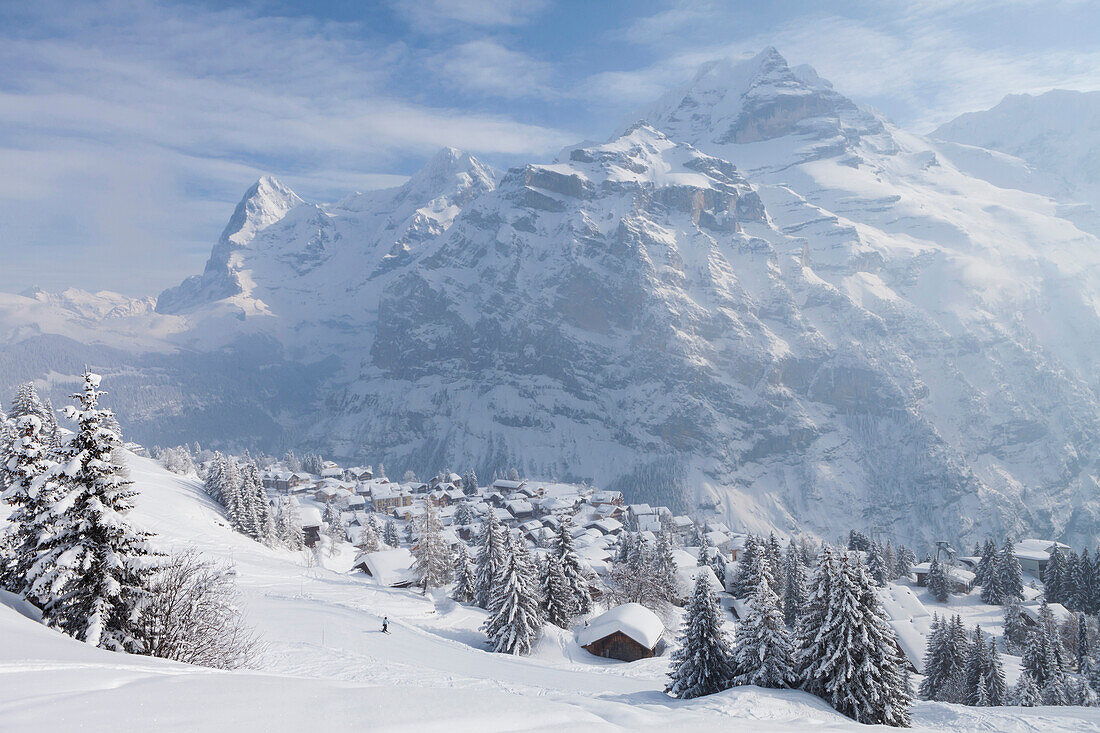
x: 1026, y: 693
x: 663, y: 571
x: 334, y: 524
x: 1015, y: 627
x: 91, y: 571
x: 433, y: 557
x: 27, y: 473
x: 852, y: 660
x: 905, y: 562
x: 464, y: 576
x: 1009, y: 575
x: 937, y: 581
x: 704, y: 550
x: 288, y: 525
x: 762, y: 645
x: 945, y: 662
x: 557, y: 598
x: 389, y: 534
x: 985, y: 679
x: 514, y: 621
x: 1071, y: 582
x: 984, y: 572
x: 491, y: 559
x: 1042, y: 656
x: 794, y: 585
x: 1054, y: 577
x: 718, y: 565
x: 579, y: 587
x: 751, y: 562
x: 368, y: 540
x: 877, y: 566
x: 464, y: 515
x: 704, y: 662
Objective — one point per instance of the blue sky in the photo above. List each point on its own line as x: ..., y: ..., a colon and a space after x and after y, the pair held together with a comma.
x: 128, y: 130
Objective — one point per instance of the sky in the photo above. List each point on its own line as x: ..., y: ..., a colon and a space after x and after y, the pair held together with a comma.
x: 129, y: 130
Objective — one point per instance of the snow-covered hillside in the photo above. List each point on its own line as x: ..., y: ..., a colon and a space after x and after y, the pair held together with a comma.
x: 764, y: 301
x: 1049, y: 143
x: 326, y: 663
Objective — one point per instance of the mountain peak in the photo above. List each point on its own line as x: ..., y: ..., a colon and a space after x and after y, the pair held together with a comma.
x: 264, y: 203
x: 748, y: 100
x: 451, y: 172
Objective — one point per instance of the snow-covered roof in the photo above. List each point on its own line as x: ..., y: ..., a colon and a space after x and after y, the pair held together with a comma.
x: 1035, y: 549
x: 310, y: 516
x: 631, y: 619
x: 608, y: 525
x: 390, y: 567
x: 506, y: 485
x: 519, y: 506
x: 911, y: 621
x: 1060, y: 613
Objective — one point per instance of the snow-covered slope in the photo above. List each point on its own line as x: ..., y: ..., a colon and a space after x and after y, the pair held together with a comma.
x: 327, y: 665
x: 1048, y: 144
x: 765, y: 301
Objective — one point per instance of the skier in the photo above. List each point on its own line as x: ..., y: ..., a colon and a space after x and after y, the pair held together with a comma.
x: 385, y: 624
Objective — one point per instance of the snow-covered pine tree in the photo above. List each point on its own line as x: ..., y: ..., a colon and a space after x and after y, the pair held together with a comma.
x: 984, y: 572
x: 368, y: 539
x: 751, y: 561
x: 464, y: 576
x: 853, y: 659
x: 626, y: 546
x: 492, y: 556
x: 27, y: 402
x: 1042, y: 656
x: 464, y: 515
x: 718, y: 565
x: 905, y: 561
x: 663, y: 571
x: 1054, y: 577
x: 1025, y: 693
x: 215, y: 477
x: 91, y: 571
x: 514, y: 621
x: 557, y: 598
x: 288, y: 525
x: 937, y: 581
x: 981, y: 673
x: 704, y: 662
x: 1071, y: 582
x: 1015, y: 627
x: 433, y: 556
x: 1009, y: 578
x: 858, y: 541
x: 570, y: 561
x: 390, y: 535
x: 794, y: 585
x: 334, y: 524
x: 26, y: 473
x: 773, y: 552
x: 703, y: 558
x: 232, y: 496
x: 762, y: 645
x: 890, y: 556
x: 995, y: 685
x: 945, y: 662
x: 877, y: 565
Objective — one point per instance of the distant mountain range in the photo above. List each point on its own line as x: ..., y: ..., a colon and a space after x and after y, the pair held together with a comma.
x: 759, y: 300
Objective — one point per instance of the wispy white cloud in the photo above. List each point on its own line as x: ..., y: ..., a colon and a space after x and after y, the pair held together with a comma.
x: 486, y: 66
x: 437, y: 15
x: 920, y: 61
x: 127, y: 133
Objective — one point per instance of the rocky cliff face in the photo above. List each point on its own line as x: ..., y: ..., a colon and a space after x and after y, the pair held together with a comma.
x: 762, y: 301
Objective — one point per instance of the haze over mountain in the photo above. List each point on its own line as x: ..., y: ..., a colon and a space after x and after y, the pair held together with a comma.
x: 757, y: 298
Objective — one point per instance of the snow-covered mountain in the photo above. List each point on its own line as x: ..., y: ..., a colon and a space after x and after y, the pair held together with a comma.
x: 759, y: 299
x: 1049, y: 143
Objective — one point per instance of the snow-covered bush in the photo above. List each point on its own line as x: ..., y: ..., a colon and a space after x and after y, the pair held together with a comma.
x: 193, y: 616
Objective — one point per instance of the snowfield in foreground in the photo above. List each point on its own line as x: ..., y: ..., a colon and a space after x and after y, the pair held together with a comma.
x: 326, y: 664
